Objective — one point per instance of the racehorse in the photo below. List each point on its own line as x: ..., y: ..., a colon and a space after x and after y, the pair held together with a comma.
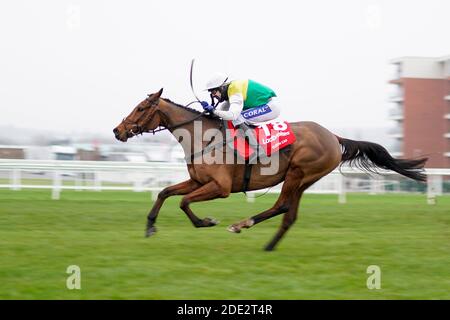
x: 315, y: 153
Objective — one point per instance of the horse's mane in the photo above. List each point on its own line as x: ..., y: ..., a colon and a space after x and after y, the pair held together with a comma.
x: 207, y: 116
x: 181, y: 106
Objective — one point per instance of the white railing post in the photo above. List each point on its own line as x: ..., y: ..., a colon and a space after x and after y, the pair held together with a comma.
x: 138, y: 185
x: 373, y: 185
x: 431, y: 196
x: 377, y: 185
x: 97, y: 182
x: 438, y: 183
x: 78, y: 181
x: 434, y: 188
x: 16, y: 179
x: 342, y: 197
x: 155, y: 194
x: 382, y: 184
x: 251, y: 197
x: 56, y: 190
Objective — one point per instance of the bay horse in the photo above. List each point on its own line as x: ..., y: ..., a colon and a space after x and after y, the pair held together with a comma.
x: 315, y: 153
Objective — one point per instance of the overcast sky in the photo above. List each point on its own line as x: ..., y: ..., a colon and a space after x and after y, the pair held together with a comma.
x: 81, y: 66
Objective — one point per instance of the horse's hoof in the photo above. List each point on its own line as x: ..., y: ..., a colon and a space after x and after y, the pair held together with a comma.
x: 210, y: 222
x: 234, y: 229
x: 150, y: 231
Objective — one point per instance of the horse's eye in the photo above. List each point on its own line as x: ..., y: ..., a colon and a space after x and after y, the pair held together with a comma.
x: 140, y: 109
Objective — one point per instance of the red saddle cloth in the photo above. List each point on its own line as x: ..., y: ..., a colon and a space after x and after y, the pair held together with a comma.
x: 271, y: 137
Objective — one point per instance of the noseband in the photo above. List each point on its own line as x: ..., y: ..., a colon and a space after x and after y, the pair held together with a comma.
x: 134, y: 130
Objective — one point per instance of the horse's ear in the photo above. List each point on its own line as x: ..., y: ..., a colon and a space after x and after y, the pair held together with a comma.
x: 159, y: 93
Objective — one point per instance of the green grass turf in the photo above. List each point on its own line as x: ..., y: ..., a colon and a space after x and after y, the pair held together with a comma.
x: 324, y: 256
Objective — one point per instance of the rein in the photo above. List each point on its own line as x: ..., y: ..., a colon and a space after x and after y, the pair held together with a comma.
x: 141, y: 131
x: 180, y: 124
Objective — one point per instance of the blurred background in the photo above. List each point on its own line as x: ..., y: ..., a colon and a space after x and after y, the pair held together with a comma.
x: 71, y: 70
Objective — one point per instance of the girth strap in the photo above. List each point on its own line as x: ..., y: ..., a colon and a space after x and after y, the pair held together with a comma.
x: 247, y: 175
x: 208, y: 148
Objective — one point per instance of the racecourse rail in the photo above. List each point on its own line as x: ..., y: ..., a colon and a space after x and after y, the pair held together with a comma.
x: 59, y: 175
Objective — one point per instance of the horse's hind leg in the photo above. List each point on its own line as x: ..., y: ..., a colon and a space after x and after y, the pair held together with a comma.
x: 288, y: 202
x: 283, y: 204
x: 279, y: 207
x: 288, y: 220
x: 290, y: 217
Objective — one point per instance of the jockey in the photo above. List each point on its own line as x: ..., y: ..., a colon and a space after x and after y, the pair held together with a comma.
x: 241, y: 101
x: 244, y: 102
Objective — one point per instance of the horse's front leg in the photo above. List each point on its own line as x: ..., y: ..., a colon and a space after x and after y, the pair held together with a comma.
x: 209, y: 191
x: 182, y: 188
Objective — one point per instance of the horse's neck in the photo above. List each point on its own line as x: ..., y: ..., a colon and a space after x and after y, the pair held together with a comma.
x: 174, y: 116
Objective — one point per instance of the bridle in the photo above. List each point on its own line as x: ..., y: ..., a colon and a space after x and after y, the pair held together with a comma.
x: 136, y: 129
x: 132, y: 129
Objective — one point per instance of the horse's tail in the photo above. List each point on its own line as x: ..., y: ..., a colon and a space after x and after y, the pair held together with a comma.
x: 366, y: 155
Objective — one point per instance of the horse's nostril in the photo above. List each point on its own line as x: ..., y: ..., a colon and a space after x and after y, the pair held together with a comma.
x: 115, y: 131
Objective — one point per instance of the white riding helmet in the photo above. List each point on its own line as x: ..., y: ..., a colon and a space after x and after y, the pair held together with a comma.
x: 217, y: 80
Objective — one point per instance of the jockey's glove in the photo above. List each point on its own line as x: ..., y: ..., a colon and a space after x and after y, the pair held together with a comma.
x: 206, y: 106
